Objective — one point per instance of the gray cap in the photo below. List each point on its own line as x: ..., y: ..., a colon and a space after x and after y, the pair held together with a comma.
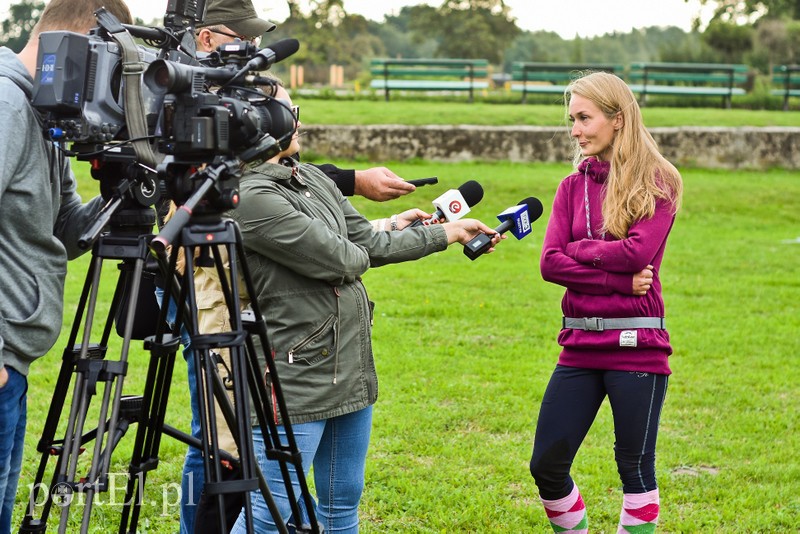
x: 238, y: 15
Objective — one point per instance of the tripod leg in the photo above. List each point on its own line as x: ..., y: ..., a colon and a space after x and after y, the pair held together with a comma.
x: 80, y: 403
x: 234, y: 340
x: 48, y: 446
x: 144, y: 457
x: 97, y: 478
x: 88, y: 362
x: 230, y: 418
x: 237, y: 415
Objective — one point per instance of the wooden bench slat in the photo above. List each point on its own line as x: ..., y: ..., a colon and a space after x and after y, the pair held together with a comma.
x: 541, y: 88
x: 786, y: 82
x: 686, y: 77
x: 433, y: 62
x: 690, y: 79
x: 431, y: 72
x: 428, y: 85
x: 551, y: 78
x: 686, y: 90
x: 419, y: 74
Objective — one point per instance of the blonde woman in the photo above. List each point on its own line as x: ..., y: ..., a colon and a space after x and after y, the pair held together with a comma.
x: 605, y: 242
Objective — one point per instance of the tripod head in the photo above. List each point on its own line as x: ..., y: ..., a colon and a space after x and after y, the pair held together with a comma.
x: 130, y: 191
x: 212, y: 190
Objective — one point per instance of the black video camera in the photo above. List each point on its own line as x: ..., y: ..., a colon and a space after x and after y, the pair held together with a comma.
x: 193, y: 107
x: 160, y: 107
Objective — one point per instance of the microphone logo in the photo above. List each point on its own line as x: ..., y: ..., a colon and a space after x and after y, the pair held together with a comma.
x: 454, y: 207
x: 524, y: 223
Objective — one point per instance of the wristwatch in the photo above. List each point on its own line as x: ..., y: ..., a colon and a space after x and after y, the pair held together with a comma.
x: 393, y: 223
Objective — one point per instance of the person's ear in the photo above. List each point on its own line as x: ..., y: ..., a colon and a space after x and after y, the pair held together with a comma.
x: 205, y: 40
x: 618, y: 121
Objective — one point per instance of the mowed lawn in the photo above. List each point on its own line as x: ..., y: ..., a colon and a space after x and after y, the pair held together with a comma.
x: 464, y: 351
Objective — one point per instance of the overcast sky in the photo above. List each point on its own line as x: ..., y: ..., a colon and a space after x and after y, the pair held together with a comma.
x: 568, y: 18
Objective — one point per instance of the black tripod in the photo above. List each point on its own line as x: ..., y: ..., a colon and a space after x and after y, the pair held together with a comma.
x: 130, y: 240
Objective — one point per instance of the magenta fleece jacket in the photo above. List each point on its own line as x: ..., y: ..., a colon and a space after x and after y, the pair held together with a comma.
x: 598, y: 276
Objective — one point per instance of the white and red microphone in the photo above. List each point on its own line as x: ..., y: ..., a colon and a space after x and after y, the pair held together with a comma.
x: 454, y: 203
x: 517, y: 218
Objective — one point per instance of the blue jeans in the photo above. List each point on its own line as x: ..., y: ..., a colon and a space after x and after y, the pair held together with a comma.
x: 193, y: 476
x: 337, y: 448
x: 13, y: 416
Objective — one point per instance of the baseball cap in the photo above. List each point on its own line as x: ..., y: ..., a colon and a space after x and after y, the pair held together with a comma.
x: 238, y: 15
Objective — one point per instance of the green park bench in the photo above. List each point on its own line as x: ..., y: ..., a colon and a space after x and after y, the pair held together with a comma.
x: 429, y: 75
x: 551, y: 78
x: 687, y: 79
x: 787, y: 77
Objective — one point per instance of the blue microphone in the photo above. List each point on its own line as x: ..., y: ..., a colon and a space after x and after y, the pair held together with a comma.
x: 517, y: 218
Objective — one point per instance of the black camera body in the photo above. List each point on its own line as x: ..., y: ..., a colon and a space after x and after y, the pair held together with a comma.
x: 79, y: 84
x: 215, y: 108
x: 161, y: 122
x: 196, y: 109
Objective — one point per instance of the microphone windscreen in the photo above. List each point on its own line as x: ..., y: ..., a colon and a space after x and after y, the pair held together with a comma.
x: 284, y: 48
x: 535, y: 208
x: 472, y: 192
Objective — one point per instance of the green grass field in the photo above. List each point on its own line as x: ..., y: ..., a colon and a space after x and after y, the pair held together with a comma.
x: 464, y: 350
x: 416, y: 112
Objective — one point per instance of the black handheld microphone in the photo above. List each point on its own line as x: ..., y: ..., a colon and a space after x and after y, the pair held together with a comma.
x: 517, y: 218
x: 454, y: 203
x: 273, y: 53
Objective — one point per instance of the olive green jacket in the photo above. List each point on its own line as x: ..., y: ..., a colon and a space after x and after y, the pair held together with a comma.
x: 306, y: 248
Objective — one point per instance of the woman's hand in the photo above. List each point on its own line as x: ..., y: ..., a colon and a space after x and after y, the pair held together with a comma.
x: 642, y: 281
x: 409, y: 216
x: 463, y: 230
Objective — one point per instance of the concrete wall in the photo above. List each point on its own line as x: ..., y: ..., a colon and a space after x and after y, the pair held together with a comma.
x: 729, y: 148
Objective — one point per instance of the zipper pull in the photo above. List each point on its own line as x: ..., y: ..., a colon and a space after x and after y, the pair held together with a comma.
x: 291, y: 356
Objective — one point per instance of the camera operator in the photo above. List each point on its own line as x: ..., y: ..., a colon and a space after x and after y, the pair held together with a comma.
x: 226, y: 20
x: 230, y: 19
x: 42, y: 216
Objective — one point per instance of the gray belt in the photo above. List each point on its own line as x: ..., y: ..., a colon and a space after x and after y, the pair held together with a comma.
x: 598, y: 324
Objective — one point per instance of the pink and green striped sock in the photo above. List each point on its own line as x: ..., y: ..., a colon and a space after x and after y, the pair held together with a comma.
x: 639, y: 513
x: 567, y: 514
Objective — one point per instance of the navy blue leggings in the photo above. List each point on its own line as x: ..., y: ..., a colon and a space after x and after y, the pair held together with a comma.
x: 569, y: 407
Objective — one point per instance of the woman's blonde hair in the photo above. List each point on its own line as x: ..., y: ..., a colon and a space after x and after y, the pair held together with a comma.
x: 639, y: 174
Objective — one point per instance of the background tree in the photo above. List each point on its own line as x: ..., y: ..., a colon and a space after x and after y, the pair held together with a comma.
x: 20, y: 22
x: 731, y: 40
x: 468, y: 28
x: 327, y: 35
x: 776, y: 42
x: 751, y: 10
x: 400, y: 38
x: 541, y: 46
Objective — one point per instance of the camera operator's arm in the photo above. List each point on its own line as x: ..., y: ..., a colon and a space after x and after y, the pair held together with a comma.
x: 376, y: 183
x: 73, y: 216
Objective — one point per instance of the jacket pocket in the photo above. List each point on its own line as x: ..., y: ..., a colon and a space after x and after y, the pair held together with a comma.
x: 316, y: 346
x: 31, y: 322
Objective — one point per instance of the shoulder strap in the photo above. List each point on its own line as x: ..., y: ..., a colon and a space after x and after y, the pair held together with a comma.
x: 132, y: 70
